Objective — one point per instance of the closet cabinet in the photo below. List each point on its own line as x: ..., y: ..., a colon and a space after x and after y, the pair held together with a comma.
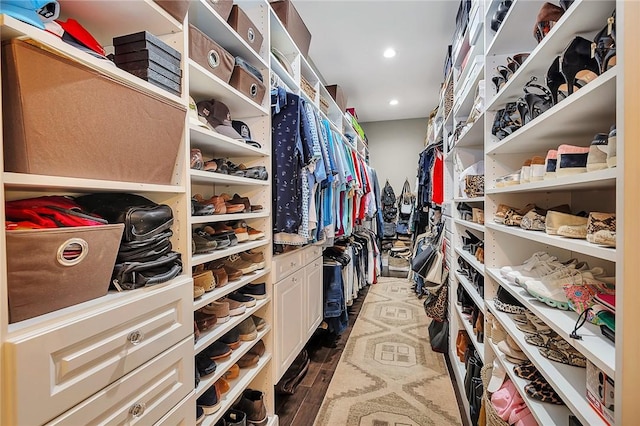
x: 125, y: 356
x: 606, y: 100
x: 298, y: 303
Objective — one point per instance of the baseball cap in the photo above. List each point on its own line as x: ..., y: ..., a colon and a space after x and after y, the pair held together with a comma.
x: 498, y: 375
x: 28, y: 11
x: 218, y: 117
x: 194, y: 118
x: 243, y: 129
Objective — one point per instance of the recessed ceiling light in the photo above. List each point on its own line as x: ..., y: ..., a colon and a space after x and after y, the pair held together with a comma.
x: 393, y: 102
x: 389, y: 53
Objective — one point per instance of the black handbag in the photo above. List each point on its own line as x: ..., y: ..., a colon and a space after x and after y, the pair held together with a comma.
x: 439, y: 336
x: 132, y: 275
x: 142, y: 217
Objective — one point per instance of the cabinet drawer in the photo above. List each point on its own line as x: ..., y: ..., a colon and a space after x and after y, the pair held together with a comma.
x: 311, y: 253
x: 141, y: 397
x: 286, y: 264
x: 57, y: 368
x: 289, y: 315
x: 182, y: 414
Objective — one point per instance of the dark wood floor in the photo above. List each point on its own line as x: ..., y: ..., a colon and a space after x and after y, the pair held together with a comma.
x: 301, y: 408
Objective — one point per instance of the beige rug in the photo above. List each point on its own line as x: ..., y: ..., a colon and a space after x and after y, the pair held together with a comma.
x: 388, y: 375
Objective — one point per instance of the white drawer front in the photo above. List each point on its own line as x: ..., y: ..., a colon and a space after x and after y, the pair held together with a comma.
x: 143, y: 396
x: 183, y: 414
x: 286, y: 264
x: 311, y: 253
x: 57, y: 368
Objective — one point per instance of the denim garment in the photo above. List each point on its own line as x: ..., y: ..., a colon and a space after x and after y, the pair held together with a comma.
x: 334, y: 302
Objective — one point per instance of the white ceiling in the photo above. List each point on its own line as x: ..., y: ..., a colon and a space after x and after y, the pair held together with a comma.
x: 350, y: 36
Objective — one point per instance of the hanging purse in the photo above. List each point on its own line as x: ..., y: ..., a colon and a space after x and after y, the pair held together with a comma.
x: 439, y: 336
x: 406, y: 199
x: 435, y: 305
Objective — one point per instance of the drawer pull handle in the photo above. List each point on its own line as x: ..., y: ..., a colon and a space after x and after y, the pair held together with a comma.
x: 295, y: 280
x: 135, y: 337
x: 293, y: 263
x: 316, y: 264
x: 137, y: 409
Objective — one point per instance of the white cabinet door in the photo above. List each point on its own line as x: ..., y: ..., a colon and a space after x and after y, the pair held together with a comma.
x: 183, y: 414
x: 314, y: 296
x: 143, y: 396
x: 58, y: 367
x: 289, y: 307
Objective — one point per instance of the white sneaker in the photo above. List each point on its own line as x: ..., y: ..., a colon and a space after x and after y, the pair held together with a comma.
x: 550, y: 270
x: 535, y: 257
x: 538, y: 270
x: 550, y: 289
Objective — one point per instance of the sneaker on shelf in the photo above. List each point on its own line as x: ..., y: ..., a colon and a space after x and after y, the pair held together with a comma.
x: 255, y: 290
x: 252, y: 404
x: 209, y: 401
x: 573, y: 231
x: 232, y: 373
x: 248, y: 360
x: 197, y: 291
x: 550, y: 289
x: 235, y: 308
x: 259, y: 322
x: 249, y: 301
x: 204, y: 279
x: 255, y: 234
x: 235, y: 261
x: 571, y: 160
x: 221, y: 276
x: 240, y: 229
x: 525, y: 171
x: 234, y: 418
x: 199, y: 415
x: 256, y: 257
x: 232, y: 338
x: 247, y: 330
x: 535, y: 257
x: 612, y: 149
x: 217, y: 350
x: 205, y: 365
x: 597, y: 158
x: 537, y: 169
x: 550, y: 163
x: 233, y: 274
x: 220, y: 308
x: 258, y: 349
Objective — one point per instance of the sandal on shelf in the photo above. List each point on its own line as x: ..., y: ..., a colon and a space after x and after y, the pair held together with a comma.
x: 526, y: 370
x: 568, y: 356
x: 196, y: 159
x: 541, y: 390
x: 542, y: 340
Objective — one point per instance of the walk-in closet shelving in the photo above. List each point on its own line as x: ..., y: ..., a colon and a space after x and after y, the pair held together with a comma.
x: 591, y: 109
x: 67, y: 361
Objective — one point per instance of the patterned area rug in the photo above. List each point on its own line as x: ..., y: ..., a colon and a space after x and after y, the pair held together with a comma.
x: 388, y: 375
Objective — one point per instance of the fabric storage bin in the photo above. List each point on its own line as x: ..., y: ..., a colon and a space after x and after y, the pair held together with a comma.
x: 210, y: 55
x: 338, y: 95
x: 293, y: 23
x: 65, y: 119
x: 50, y: 269
x: 176, y: 8
x: 222, y: 7
x: 241, y: 23
x: 248, y: 84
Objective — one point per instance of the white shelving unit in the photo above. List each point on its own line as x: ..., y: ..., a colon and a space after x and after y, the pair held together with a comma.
x: 575, y: 120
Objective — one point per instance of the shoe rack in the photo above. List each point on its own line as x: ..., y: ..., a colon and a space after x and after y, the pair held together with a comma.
x: 592, y: 109
x: 117, y: 376
x: 204, y: 85
x: 462, y: 134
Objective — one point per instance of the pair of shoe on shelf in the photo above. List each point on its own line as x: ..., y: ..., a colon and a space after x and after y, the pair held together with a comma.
x: 227, y: 167
x: 567, y: 160
x: 472, y: 214
x: 557, y: 284
x: 221, y: 235
x: 248, y: 410
x: 222, y: 204
x: 596, y: 227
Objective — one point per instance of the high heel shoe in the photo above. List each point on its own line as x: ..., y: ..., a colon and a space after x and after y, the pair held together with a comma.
x: 603, y: 47
x: 577, y: 65
x: 548, y: 16
x: 513, y: 63
x: 465, y: 211
x: 556, y: 82
x: 536, y: 103
x: 565, y: 4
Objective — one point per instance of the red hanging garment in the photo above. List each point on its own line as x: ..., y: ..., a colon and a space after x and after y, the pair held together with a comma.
x: 437, y: 194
